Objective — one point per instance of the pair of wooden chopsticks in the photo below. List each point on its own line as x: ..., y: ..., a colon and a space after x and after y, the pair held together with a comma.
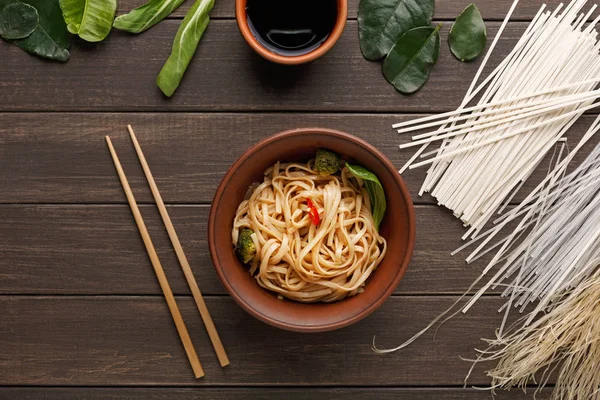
x: 160, y: 274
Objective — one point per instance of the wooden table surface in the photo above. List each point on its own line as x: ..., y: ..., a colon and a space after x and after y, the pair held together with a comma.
x: 81, y: 312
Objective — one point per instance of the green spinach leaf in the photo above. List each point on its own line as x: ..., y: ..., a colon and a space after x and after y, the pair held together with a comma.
x: 50, y: 39
x: 408, y: 64
x: 375, y: 189
x: 4, y: 3
x: 145, y: 16
x: 90, y: 19
x: 382, y: 22
x: 186, y: 42
x: 18, y: 20
x: 468, y: 36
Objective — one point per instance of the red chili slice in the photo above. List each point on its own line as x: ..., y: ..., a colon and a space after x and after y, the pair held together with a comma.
x: 313, y: 214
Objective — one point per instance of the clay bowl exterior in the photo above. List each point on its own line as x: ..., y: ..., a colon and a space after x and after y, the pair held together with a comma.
x: 398, y: 228
x: 338, y: 28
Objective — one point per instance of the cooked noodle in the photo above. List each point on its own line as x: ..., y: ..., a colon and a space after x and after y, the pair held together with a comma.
x: 298, y: 259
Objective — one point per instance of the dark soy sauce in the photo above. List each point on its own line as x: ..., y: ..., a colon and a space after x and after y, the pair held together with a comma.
x: 291, y: 27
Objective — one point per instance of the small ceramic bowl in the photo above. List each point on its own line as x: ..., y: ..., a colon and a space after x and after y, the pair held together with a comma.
x: 397, y: 227
x: 338, y: 28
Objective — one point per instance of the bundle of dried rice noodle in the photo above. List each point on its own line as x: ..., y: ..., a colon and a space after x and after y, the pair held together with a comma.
x: 566, y: 339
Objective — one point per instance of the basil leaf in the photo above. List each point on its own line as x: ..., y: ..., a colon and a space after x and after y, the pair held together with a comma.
x: 18, y: 20
x: 50, y: 39
x: 145, y: 16
x: 376, y: 193
x: 90, y: 19
x: 468, y: 36
x: 382, y: 22
x: 408, y: 64
x: 186, y: 41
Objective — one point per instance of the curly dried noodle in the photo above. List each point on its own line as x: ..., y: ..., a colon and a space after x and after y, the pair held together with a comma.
x: 298, y: 259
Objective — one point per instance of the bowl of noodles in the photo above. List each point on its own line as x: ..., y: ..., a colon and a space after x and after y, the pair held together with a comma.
x: 311, y: 230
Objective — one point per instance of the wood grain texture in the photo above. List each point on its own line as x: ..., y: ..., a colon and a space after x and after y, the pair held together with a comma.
x: 111, y: 341
x: 79, y: 303
x: 444, y: 9
x: 256, y: 394
x: 62, y: 158
x: 226, y: 75
x: 97, y: 250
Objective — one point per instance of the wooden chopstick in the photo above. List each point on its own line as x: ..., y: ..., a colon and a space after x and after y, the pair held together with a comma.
x: 185, y: 265
x: 160, y: 274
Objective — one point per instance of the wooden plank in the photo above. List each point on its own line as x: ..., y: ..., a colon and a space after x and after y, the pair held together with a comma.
x: 189, y: 153
x: 257, y: 394
x: 444, y: 9
x: 119, y: 75
x: 63, y: 250
x: 62, y: 158
x: 108, y: 341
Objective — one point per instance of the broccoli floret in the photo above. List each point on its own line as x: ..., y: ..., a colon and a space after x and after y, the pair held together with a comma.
x: 327, y: 162
x: 245, y: 249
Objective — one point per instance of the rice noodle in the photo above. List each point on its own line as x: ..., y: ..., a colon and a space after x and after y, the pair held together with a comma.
x: 527, y: 105
x: 298, y: 259
x: 568, y: 335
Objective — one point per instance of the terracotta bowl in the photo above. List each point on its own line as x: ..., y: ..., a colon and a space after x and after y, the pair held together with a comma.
x: 338, y: 28
x: 398, y: 228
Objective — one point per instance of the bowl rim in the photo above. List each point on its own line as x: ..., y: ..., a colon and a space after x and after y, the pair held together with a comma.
x: 338, y: 28
x: 391, y: 285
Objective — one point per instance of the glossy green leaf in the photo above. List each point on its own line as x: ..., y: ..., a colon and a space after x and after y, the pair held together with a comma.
x: 382, y: 22
x: 145, y: 16
x: 90, y: 19
x: 468, y: 36
x: 4, y: 3
x: 18, y: 20
x: 375, y: 189
x: 50, y: 39
x: 184, y: 46
x: 408, y: 64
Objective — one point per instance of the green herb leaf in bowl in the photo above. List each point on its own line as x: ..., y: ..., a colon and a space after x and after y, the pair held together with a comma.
x: 18, y: 20
x: 468, y: 35
x: 145, y: 16
x: 90, y: 19
x: 375, y: 189
x: 408, y: 64
x: 50, y: 39
x: 186, y: 42
x: 382, y: 22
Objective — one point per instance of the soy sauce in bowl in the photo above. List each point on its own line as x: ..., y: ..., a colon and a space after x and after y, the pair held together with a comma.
x: 291, y: 27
